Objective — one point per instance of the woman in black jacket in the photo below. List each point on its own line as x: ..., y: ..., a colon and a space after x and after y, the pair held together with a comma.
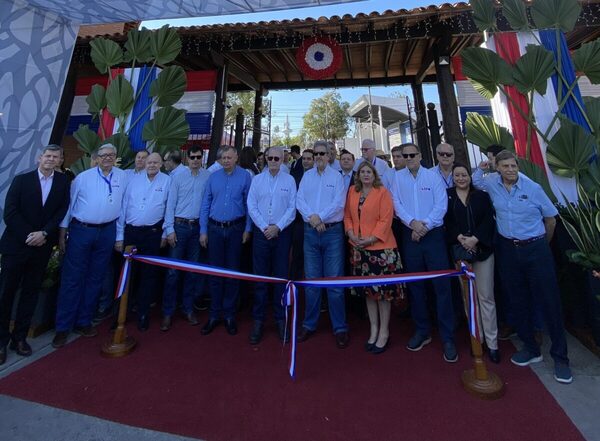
x: 470, y: 229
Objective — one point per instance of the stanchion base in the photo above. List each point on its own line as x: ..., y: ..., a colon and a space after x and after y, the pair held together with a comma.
x: 490, y: 389
x: 115, y: 350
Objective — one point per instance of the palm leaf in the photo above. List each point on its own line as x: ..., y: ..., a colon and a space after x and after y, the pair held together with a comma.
x: 587, y: 60
x: 516, y: 14
x: 137, y: 46
x: 81, y: 165
x: 592, y: 107
x: 96, y: 100
x: 165, y: 45
x: 87, y: 140
x: 485, y: 70
x: 484, y: 14
x: 167, y: 129
x: 570, y: 149
x: 536, y: 174
x: 561, y: 14
x: 119, y: 96
x: 533, y: 69
x: 483, y: 132
x: 169, y: 86
x: 105, y: 54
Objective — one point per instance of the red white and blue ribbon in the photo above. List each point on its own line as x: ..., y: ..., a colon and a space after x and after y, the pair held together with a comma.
x: 472, y: 307
x: 289, y: 299
x: 124, y: 274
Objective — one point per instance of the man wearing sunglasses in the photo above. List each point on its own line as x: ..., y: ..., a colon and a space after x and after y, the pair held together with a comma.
x: 320, y: 201
x: 272, y: 207
x: 445, y: 157
x: 369, y: 154
x: 182, y: 228
x: 420, y: 201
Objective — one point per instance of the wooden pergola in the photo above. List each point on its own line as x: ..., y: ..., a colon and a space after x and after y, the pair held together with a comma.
x: 395, y: 47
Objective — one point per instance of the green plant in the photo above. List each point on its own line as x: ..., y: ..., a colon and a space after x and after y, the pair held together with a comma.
x: 52, y: 270
x: 168, y: 127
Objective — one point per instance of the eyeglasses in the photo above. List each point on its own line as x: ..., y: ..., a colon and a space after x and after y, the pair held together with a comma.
x: 366, y: 149
x: 409, y: 155
x: 320, y: 153
x: 445, y: 154
x: 273, y: 158
x: 195, y: 156
x: 107, y: 155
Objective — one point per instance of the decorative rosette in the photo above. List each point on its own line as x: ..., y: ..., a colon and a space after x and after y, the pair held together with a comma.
x: 319, y: 57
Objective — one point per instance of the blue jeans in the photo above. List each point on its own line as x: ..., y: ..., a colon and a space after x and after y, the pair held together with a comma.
x: 529, y: 276
x: 84, y: 268
x: 429, y: 254
x: 270, y: 258
x: 324, y: 257
x: 186, y: 248
x: 224, y: 251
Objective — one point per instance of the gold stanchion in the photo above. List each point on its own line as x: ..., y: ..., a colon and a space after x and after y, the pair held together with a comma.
x: 121, y: 344
x: 479, y: 381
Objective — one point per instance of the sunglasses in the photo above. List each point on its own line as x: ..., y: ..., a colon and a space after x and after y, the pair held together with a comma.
x: 366, y: 149
x: 445, y: 155
x: 320, y: 153
x: 107, y: 155
x: 409, y: 155
x: 195, y: 157
x: 273, y: 158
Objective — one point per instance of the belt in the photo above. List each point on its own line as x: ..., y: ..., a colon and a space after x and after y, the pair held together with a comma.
x: 522, y: 242
x: 156, y: 225
x: 226, y: 224
x: 87, y: 224
x: 329, y: 225
x: 183, y: 220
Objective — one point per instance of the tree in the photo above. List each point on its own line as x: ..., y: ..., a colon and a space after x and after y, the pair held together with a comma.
x: 327, y: 118
x: 245, y: 100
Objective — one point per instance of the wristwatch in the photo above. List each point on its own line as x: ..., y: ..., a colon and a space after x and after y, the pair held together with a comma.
x: 44, y: 233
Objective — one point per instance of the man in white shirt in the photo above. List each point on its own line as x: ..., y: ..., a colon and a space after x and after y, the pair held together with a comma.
x: 141, y: 224
x: 333, y: 161
x: 420, y: 201
x: 96, y: 196
x: 321, y: 201
x: 445, y: 157
x: 272, y: 207
x: 368, y: 152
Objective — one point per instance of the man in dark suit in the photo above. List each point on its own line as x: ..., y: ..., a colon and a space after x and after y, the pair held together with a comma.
x: 36, y: 202
x: 296, y: 168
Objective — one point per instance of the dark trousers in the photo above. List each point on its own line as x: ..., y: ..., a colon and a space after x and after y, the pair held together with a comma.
x: 84, y: 268
x: 147, y: 242
x: 529, y: 279
x: 224, y: 251
x: 297, y: 264
x: 271, y: 258
x: 429, y: 254
x: 25, y: 271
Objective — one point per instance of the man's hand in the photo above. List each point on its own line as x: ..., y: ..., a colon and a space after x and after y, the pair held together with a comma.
x: 414, y: 236
x: 314, y: 220
x: 484, y: 165
x: 62, y: 239
x: 172, y: 239
x: 321, y: 227
x: 246, y: 236
x: 271, y: 232
x: 163, y: 242
x: 35, y: 239
x: 119, y: 246
x: 419, y: 227
x: 204, y: 240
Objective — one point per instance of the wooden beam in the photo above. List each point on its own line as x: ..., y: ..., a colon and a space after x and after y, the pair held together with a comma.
x: 292, y: 61
x: 349, y: 60
x: 275, y: 63
x: 368, y: 53
x: 250, y: 57
x: 388, y: 56
x: 426, y: 63
x: 412, y: 45
x: 235, y: 69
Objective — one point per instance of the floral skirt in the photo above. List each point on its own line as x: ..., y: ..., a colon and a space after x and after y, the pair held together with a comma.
x: 377, y: 263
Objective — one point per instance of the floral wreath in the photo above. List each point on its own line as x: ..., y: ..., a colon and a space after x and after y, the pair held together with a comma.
x: 319, y: 57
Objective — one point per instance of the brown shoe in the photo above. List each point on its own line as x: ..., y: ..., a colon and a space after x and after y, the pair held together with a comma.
x: 192, y: 319
x: 60, y: 339
x: 506, y: 332
x: 21, y: 347
x: 86, y: 331
x: 165, y: 325
x: 304, y: 334
x: 342, y: 339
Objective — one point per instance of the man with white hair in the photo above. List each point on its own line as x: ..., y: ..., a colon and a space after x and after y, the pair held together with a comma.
x: 368, y: 154
x: 333, y: 160
x: 96, y: 196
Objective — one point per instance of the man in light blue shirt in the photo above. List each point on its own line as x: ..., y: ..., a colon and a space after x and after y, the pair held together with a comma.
x: 420, y: 201
x: 96, y: 196
x: 182, y: 228
x: 272, y: 207
x: 320, y: 201
x: 525, y: 218
x: 224, y: 226
x: 174, y: 163
x: 368, y: 154
x: 347, y: 169
x: 141, y: 224
x: 139, y: 164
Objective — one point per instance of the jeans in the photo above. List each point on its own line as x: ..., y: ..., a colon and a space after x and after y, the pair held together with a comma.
x: 530, y: 278
x: 84, y: 268
x: 224, y: 251
x: 429, y: 254
x: 186, y: 248
x: 271, y: 258
x: 324, y: 257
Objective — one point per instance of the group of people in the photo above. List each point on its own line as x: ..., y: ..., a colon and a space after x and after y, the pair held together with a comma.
x: 316, y: 214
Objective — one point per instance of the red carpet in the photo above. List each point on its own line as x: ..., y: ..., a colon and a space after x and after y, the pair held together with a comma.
x: 218, y: 387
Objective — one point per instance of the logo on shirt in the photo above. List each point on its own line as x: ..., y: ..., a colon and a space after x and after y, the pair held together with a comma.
x: 159, y: 189
x: 285, y: 189
x: 425, y: 188
x: 329, y: 185
x: 522, y: 197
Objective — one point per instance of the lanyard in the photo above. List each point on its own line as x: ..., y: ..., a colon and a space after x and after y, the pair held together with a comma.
x: 107, y: 180
x: 444, y: 178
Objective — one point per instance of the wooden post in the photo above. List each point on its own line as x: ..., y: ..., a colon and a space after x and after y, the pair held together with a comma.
x: 479, y: 381
x: 239, y: 130
x: 434, y: 130
x: 257, y: 120
x: 64, y: 107
x: 121, y: 344
x: 219, y: 116
x: 421, y: 124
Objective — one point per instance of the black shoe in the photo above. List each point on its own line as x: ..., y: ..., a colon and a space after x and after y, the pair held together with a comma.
x: 210, y: 326
x: 60, y: 339
x: 143, y: 322
x: 377, y: 350
x: 494, y: 355
x: 21, y: 347
x: 165, y: 324
x: 231, y: 326
x: 86, y: 331
x: 304, y: 334
x: 284, y: 335
x: 192, y: 319
x: 202, y: 304
x: 369, y: 346
x: 342, y: 339
x: 256, y: 333
x: 3, y: 352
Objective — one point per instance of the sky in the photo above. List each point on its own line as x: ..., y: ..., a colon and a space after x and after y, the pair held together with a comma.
x: 294, y: 104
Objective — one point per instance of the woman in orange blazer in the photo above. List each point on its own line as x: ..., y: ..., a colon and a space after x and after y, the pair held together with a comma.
x: 368, y: 224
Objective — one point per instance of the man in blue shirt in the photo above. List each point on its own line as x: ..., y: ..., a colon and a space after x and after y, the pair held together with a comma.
x: 224, y: 226
x: 525, y: 218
